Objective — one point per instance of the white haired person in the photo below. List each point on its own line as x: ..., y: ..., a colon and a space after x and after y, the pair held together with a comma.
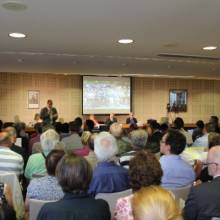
x: 36, y: 162
x: 108, y: 177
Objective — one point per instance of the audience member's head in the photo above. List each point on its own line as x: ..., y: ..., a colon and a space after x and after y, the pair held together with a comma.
x: 74, y: 174
x: 152, y: 127
x: 155, y: 203
x: 116, y: 130
x: 65, y: 128
x: 105, y: 146
x: 48, y: 140
x: 92, y: 140
x: 12, y: 133
x: 37, y: 117
x: 144, y: 170
x: 5, y: 140
x: 52, y: 160
x: 138, y: 139
x: 58, y: 127
x: 164, y: 128
x: 213, y: 139
x: 179, y: 123
x: 1, y: 125
x: 38, y: 128
x: 214, y: 119
x: 85, y: 137
x: 89, y: 125
x: 173, y: 142
x: 213, y: 161
x: 210, y: 127
x: 200, y: 124
x: 78, y: 121
x: 74, y: 127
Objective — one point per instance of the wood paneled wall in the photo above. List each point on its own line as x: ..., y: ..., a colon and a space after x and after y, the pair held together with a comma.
x: 149, y: 95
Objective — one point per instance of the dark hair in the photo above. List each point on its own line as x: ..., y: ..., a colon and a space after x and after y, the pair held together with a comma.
x: 144, y: 170
x: 74, y: 173
x: 91, y: 141
x: 154, y: 125
x: 176, y: 140
x: 214, y: 119
x: 65, y: 128
x: 1, y: 125
x: 164, y: 127
x: 78, y: 121
x: 52, y: 160
x: 200, y: 124
x: 38, y: 128
x: 74, y: 126
x: 179, y: 123
x: 58, y: 127
x: 89, y: 125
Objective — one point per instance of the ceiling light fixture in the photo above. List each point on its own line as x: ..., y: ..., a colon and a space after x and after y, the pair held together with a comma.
x: 125, y: 41
x: 209, y: 48
x: 17, y: 35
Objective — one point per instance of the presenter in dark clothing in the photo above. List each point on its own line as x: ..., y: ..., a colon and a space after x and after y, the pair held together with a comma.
x: 111, y: 120
x: 74, y: 175
x: 49, y: 114
x: 131, y: 120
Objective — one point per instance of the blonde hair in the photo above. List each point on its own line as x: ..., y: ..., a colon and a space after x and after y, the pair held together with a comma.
x: 155, y: 203
x: 85, y: 137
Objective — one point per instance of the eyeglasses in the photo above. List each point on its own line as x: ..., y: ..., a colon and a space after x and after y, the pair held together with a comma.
x: 210, y: 163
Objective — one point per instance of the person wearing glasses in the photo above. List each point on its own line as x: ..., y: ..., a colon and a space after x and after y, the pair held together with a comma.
x: 203, y: 201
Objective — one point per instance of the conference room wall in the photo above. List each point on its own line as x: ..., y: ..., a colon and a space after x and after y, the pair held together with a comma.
x: 150, y: 96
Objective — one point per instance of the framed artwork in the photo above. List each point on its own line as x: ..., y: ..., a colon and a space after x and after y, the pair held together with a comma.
x: 33, y: 99
x: 178, y: 100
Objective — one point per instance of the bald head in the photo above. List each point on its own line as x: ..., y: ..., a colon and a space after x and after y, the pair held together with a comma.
x: 214, y: 161
x: 5, y: 140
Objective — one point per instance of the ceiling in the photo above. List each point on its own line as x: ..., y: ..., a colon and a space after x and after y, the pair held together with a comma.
x: 80, y: 37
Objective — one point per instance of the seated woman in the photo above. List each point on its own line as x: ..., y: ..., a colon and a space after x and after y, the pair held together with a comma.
x: 74, y: 175
x: 154, y: 202
x: 144, y: 170
x: 36, y: 162
x: 46, y: 188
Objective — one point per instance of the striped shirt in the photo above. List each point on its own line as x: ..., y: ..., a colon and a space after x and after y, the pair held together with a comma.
x: 10, y: 161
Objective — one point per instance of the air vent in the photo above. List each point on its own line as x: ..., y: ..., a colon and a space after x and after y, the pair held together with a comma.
x: 176, y: 55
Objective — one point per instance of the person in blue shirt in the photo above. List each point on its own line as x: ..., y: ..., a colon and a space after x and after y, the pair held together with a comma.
x: 176, y: 172
x: 108, y: 177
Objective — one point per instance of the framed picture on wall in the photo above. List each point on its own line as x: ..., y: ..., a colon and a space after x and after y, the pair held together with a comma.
x: 178, y: 100
x: 33, y: 99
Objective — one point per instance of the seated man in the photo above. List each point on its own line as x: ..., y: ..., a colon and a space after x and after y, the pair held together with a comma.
x: 131, y: 119
x: 176, y: 172
x: 110, y: 120
x: 203, y: 200
x: 107, y: 176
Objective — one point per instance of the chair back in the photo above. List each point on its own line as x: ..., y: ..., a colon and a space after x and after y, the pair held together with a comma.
x: 35, y: 207
x: 181, y: 192
x: 112, y: 198
x: 11, y: 180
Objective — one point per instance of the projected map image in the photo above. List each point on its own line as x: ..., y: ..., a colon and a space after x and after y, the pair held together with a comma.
x: 106, y: 94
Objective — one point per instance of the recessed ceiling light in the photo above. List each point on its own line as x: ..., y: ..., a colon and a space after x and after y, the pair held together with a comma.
x: 209, y: 48
x: 14, y: 6
x: 125, y: 41
x: 17, y: 35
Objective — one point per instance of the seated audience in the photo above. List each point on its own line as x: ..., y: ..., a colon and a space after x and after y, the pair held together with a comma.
x: 131, y: 119
x: 47, y: 187
x: 164, y: 128
x: 107, y: 177
x: 36, y: 162
x: 37, y: 118
x: 10, y: 161
x: 79, y: 123
x: 203, y: 199
x: 155, y: 203
x: 74, y: 175
x: 123, y: 145
x: 179, y: 125
x: 95, y: 121
x: 144, y: 171
x: 176, y: 172
x: 138, y: 142
x: 198, y: 131
x: 91, y: 158
x: 88, y: 125
x: 85, y: 139
x: 110, y: 120
x: 154, y: 137
x: 1, y: 125
x: 73, y: 141
x: 65, y: 131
